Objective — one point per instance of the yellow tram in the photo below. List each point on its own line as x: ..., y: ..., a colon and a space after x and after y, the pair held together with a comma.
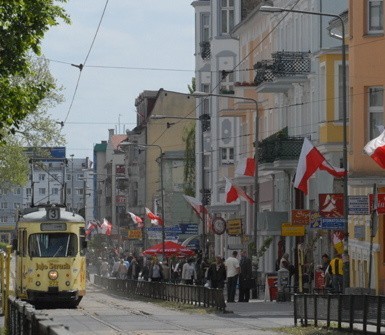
x: 50, y: 257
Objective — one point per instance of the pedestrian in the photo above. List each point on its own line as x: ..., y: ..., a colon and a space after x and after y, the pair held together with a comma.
x: 336, y: 269
x: 245, y: 277
x: 156, y: 271
x: 232, y: 272
x: 104, y: 268
x: 189, y: 273
x: 216, y: 274
x: 122, y: 270
x: 115, y: 268
x: 166, y: 271
x: 325, y: 267
x: 146, y: 270
x: 134, y: 269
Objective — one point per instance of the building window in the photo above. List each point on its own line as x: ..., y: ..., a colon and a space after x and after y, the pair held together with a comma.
x: 79, y: 191
x: 227, y: 11
x: 205, y: 27
x: 69, y: 177
x: 340, y: 92
x: 227, y: 83
x: 28, y: 191
x: 205, y: 106
x: 376, y: 111
x: 80, y: 176
x: 17, y: 191
x: 227, y: 156
x: 4, y: 205
x: 55, y: 191
x: 4, y: 219
x: 69, y: 191
x: 375, y: 16
x: 41, y: 176
x: 42, y: 191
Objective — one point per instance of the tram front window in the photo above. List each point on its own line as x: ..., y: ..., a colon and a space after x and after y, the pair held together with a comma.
x: 53, y: 245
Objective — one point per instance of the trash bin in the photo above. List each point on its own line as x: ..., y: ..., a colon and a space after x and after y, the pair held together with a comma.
x: 271, y: 286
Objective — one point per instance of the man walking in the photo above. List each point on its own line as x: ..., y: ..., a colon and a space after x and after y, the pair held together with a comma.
x: 337, y: 271
x: 245, y: 277
x: 232, y: 272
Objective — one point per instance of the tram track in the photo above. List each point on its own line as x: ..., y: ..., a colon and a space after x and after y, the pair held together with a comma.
x: 114, y: 314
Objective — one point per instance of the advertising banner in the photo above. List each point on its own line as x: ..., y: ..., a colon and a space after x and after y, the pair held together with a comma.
x: 331, y: 205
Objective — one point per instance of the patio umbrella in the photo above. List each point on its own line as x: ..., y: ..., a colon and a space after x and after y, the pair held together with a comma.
x: 170, y: 249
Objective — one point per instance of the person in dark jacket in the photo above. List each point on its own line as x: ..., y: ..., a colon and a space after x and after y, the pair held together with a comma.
x: 245, y: 277
x: 216, y: 273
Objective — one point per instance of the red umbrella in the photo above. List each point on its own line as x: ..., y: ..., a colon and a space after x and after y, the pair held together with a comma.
x: 170, y: 249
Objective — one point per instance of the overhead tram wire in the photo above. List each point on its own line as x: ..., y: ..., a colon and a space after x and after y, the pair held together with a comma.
x: 81, y: 66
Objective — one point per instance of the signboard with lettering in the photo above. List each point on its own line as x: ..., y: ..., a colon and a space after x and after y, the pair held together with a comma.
x: 287, y: 229
x: 359, y: 232
x: 381, y: 203
x: 234, y: 227
x: 358, y: 205
x: 332, y: 223
x: 135, y: 234
x: 301, y: 217
x: 181, y: 229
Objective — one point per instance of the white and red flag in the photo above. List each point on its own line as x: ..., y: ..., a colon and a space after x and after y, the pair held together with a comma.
x: 196, y: 205
x: 246, y: 167
x: 155, y: 219
x: 91, y: 228
x: 376, y: 149
x: 310, y: 160
x: 106, y: 227
x: 138, y: 220
x: 233, y: 192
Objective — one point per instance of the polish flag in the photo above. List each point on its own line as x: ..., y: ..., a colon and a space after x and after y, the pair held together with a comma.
x: 136, y: 220
x: 155, y: 219
x: 376, y: 149
x: 310, y: 160
x: 335, y: 171
x: 196, y: 205
x: 233, y: 192
x: 246, y: 167
x: 106, y: 227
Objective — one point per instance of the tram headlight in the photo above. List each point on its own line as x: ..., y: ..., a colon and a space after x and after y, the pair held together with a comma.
x: 53, y: 275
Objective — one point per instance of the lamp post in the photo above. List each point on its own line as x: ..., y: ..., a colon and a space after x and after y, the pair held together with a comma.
x: 271, y: 9
x: 203, y: 119
x: 256, y: 149
x: 161, y: 187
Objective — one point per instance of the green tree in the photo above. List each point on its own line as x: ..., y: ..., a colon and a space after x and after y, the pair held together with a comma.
x: 23, y: 24
x: 36, y: 130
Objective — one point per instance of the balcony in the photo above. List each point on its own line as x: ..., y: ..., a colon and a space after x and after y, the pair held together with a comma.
x: 280, y: 151
x: 278, y: 74
x: 205, y: 50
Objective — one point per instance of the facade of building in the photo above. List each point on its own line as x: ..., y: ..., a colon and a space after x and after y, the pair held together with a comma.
x: 366, y: 81
x: 282, y: 64
x: 53, y: 180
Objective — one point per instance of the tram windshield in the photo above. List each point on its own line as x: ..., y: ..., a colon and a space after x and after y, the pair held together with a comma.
x: 53, y: 245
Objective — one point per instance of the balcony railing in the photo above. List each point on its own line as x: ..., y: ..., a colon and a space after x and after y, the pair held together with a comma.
x: 205, y: 50
x: 283, y: 64
x: 280, y: 147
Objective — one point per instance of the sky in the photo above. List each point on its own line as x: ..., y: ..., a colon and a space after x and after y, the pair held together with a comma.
x: 140, y: 45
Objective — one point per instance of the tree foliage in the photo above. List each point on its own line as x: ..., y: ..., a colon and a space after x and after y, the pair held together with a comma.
x: 36, y: 130
x: 23, y: 24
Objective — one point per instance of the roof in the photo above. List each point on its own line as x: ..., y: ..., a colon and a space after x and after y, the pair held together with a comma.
x: 116, y: 140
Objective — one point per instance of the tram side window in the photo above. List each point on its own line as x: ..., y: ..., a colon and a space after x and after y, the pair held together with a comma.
x: 53, y: 245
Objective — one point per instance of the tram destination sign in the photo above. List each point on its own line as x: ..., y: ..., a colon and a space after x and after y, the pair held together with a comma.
x: 56, y: 226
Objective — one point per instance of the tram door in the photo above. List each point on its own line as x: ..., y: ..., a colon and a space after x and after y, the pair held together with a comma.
x: 21, y: 255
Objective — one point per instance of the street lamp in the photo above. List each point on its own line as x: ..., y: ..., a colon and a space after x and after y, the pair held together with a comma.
x: 271, y: 9
x: 204, y: 118
x: 161, y: 187
x: 199, y: 94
